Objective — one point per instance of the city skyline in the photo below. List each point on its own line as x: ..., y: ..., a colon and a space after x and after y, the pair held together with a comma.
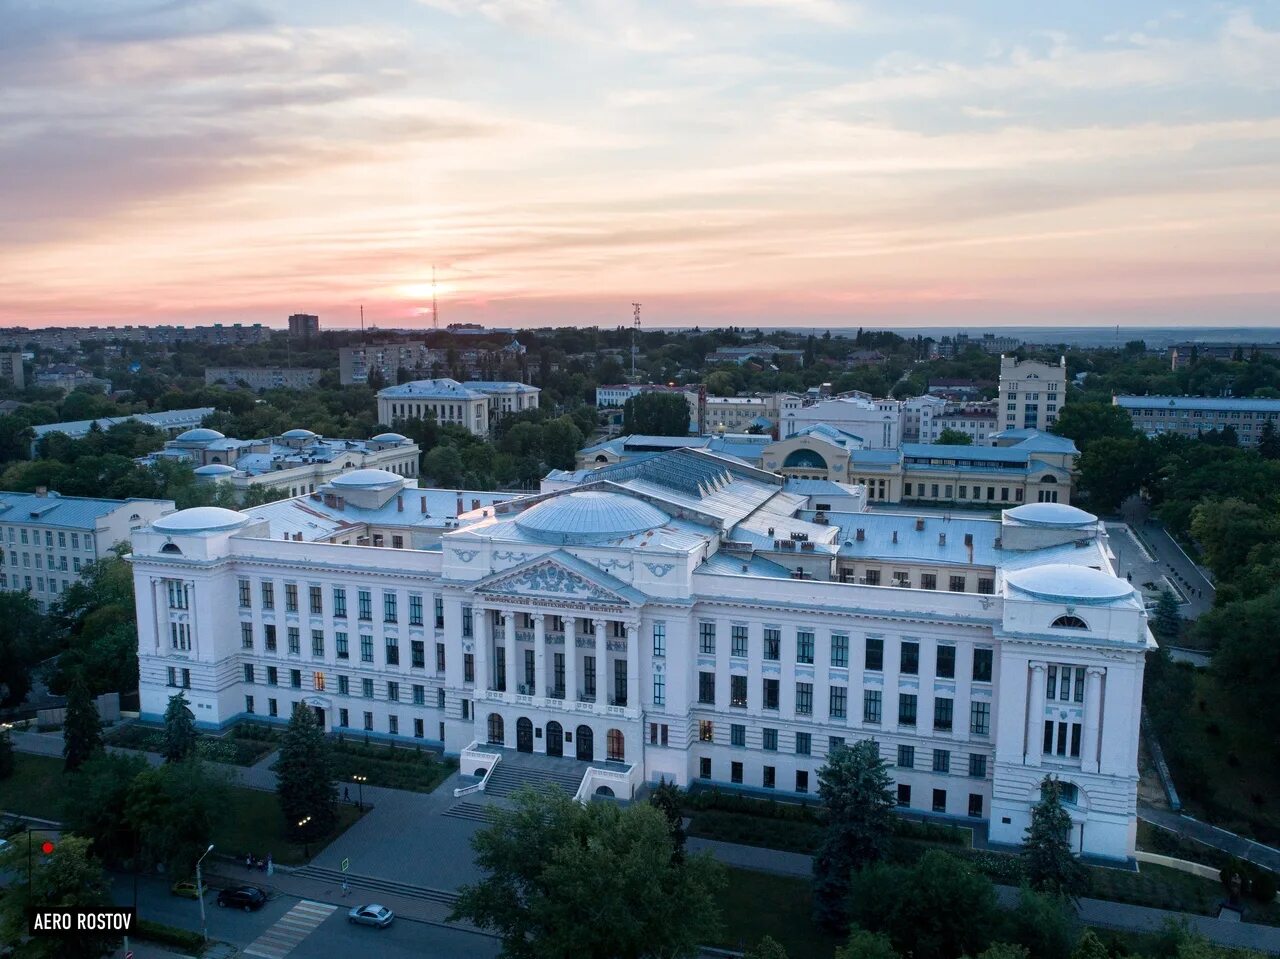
x: 807, y: 163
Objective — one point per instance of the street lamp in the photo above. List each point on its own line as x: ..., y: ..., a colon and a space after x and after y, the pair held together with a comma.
x: 306, y: 844
x: 204, y: 926
x: 361, y: 781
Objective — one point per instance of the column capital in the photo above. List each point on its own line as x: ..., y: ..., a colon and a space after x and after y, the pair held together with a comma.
x: 1038, y: 667
x: 1098, y: 671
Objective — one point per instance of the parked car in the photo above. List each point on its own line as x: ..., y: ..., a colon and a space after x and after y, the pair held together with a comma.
x: 371, y: 915
x: 243, y: 897
x: 186, y: 888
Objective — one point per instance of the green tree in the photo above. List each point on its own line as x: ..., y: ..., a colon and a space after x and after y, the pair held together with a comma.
x: 1113, y: 469
x: 1166, y: 623
x: 1248, y: 657
x: 96, y: 800
x: 69, y: 876
x: 180, y: 734
x: 1006, y: 950
x: 866, y: 945
x: 6, y: 755
x: 1269, y: 441
x: 596, y: 881
x: 855, y: 787
x: 937, y: 909
x: 951, y: 437
x: 666, y: 799
x: 1086, y: 422
x: 1046, y: 852
x: 97, y: 616
x: 766, y: 948
x: 82, y: 728
x: 1227, y: 530
x: 656, y: 414
x: 24, y: 642
x: 304, y: 776
x: 1045, y: 924
x: 444, y: 465
x: 1090, y: 947
x: 175, y: 810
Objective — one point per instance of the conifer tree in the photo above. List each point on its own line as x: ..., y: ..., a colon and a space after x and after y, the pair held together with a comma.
x: 304, y: 779
x: 82, y: 729
x: 179, y: 730
x: 1050, y: 865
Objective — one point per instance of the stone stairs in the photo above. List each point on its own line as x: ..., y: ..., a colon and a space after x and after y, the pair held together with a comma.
x: 474, y: 811
x: 408, y: 890
x: 507, y: 777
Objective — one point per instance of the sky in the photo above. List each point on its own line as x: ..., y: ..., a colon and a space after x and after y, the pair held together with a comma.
x: 754, y: 162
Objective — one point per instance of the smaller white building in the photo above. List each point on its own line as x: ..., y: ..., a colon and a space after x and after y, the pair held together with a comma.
x: 877, y: 422
x: 475, y: 405
x: 1031, y: 393
x: 172, y: 422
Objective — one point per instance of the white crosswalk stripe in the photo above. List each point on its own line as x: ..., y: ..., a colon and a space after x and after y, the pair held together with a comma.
x: 290, y: 929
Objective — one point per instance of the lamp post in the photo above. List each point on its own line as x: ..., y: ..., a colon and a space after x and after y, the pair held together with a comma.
x: 306, y: 844
x: 360, y: 780
x: 204, y: 926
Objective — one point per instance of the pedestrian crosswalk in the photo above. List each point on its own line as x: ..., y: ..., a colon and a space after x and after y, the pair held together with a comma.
x: 290, y: 929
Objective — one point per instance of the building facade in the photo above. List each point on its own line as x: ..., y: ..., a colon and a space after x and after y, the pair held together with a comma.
x: 1192, y: 415
x: 878, y: 423
x: 681, y: 617
x: 172, y: 422
x: 356, y: 363
x: 695, y: 397
x: 11, y: 369
x: 47, y: 540
x: 475, y: 405
x: 1031, y: 393
x: 304, y: 324
x: 262, y: 378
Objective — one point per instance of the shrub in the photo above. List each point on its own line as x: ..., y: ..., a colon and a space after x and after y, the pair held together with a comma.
x: 193, y: 942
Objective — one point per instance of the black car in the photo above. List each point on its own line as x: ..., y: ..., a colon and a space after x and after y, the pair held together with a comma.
x: 243, y: 897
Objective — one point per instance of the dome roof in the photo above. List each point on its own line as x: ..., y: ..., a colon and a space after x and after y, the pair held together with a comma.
x: 589, y: 516
x: 1060, y: 582
x: 201, y: 434
x: 389, y: 438
x: 214, y: 469
x: 1051, y: 514
x: 298, y: 434
x: 200, y: 519
x: 366, y: 479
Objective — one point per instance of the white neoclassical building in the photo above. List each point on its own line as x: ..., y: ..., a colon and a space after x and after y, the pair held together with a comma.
x: 681, y: 616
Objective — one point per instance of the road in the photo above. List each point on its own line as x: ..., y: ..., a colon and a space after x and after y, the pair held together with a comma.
x: 333, y: 936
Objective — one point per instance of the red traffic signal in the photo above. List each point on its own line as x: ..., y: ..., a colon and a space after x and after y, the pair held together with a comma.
x: 46, y: 847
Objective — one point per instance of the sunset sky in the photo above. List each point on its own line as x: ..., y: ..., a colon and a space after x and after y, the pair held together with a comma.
x: 807, y: 162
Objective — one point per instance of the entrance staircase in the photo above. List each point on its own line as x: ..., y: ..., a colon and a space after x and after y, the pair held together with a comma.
x: 512, y: 774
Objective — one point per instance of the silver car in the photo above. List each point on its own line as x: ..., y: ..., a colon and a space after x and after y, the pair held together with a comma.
x: 371, y: 915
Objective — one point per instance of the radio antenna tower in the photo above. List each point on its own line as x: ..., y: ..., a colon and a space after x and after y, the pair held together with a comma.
x: 361, y: 322
x: 635, y: 326
x: 435, y: 314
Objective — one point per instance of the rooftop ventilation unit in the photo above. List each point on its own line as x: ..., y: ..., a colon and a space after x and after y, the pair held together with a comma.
x: 920, y: 525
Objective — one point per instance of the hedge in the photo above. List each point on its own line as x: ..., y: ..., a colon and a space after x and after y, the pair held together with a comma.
x: 193, y: 942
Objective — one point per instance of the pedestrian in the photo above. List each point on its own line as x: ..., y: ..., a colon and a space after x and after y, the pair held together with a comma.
x: 346, y: 794
x: 248, y: 861
x: 271, y: 866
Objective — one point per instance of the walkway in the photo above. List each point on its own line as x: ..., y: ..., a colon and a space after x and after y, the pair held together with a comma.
x: 1214, y: 836
x: 1157, y: 554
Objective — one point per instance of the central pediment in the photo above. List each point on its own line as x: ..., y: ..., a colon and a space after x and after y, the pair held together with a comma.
x: 563, y: 578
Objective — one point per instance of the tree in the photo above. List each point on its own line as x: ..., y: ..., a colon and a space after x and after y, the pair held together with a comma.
x: 444, y: 465
x: 1046, y: 852
x: 69, y: 876
x: 666, y: 799
x: 304, y: 776
x: 855, y: 787
x: 766, y: 948
x: 937, y: 909
x: 1166, y: 623
x: 82, y: 729
x: 596, y: 881
x: 1044, y: 924
x: 866, y: 945
x: 24, y: 642
x: 1087, y: 422
x: 1248, y: 657
x: 6, y: 755
x: 179, y: 730
x: 1227, y: 530
x: 1113, y: 469
x: 1269, y: 441
x: 175, y: 810
x: 656, y: 414
x: 96, y: 803
x: 952, y: 437
x: 1090, y: 947
x: 1005, y: 950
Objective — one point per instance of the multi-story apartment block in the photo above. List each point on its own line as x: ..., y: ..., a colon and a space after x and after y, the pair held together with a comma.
x: 172, y: 422
x: 878, y: 423
x: 695, y: 397
x: 356, y: 363
x: 679, y: 617
x: 1031, y: 393
x: 262, y: 378
x: 11, y: 369
x: 475, y: 405
x: 296, y: 462
x: 1192, y: 415
x: 1182, y: 355
x: 304, y: 324
x: 46, y: 539
x: 978, y: 421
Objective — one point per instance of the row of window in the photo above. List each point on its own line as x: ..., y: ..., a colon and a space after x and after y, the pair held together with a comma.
x: 319, y: 682
x: 344, y: 719
x: 342, y: 647
x: 38, y: 585
x: 58, y: 564
x: 364, y: 603
x: 20, y: 535
x: 944, y: 491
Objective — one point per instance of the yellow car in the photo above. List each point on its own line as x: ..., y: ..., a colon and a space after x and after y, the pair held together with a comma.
x: 186, y: 888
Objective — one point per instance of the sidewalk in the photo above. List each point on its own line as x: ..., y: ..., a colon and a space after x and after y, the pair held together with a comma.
x: 1213, y: 836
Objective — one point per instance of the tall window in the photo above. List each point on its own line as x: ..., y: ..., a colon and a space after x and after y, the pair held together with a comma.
x: 946, y: 662
x: 977, y: 766
x: 440, y: 661
x: 366, y: 688
x: 910, y: 659
x: 393, y: 651
x: 907, y: 757
x: 365, y: 599
x: 871, y: 705
x: 982, y: 665
x: 770, y: 696
x: 417, y: 654
x: 290, y: 597
x: 415, y: 609
x: 706, y: 637
x: 804, y: 744
x: 467, y: 621
x: 245, y: 600
x: 980, y: 719
x: 269, y: 637
x: 839, y: 702
x: 804, y: 699
x: 737, y: 735
x: 839, y: 650
x: 268, y: 594
x: 339, y: 602
x: 659, y: 639
x: 942, y: 710
x: 875, y: 654
x: 366, y: 649
x: 772, y: 643
x: 317, y: 642
x: 941, y: 761
x: 707, y: 688
x: 295, y: 640
x: 246, y: 635
x: 316, y: 596
x: 439, y: 612
x: 659, y: 689
x: 906, y: 709
x: 390, y: 613
x: 706, y: 731
x: 769, y: 740
x: 804, y: 647
x: 738, y: 639
x: 340, y: 643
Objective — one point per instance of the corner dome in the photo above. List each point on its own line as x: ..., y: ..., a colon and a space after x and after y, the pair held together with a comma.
x: 1051, y: 514
x: 200, y: 519
x: 366, y: 479
x: 214, y: 469
x: 201, y: 434
x: 1063, y: 583
x: 589, y: 516
x: 298, y: 434
x: 389, y: 438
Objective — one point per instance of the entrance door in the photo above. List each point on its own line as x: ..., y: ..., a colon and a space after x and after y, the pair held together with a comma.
x: 524, y: 735
x: 319, y: 710
x: 586, y: 749
x: 555, y: 739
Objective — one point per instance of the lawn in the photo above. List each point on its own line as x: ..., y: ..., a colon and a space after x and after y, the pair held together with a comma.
x: 398, y: 767
x: 243, y: 745
x: 758, y: 904
x: 35, y: 788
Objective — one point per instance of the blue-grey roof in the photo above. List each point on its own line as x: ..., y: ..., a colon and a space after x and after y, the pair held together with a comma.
x: 53, y: 509
x: 449, y: 389
x: 1037, y: 442
x: 820, y: 487
x: 875, y: 458
x: 1197, y: 403
x: 1064, y: 583
x: 165, y: 419
x: 831, y: 434
x: 589, y: 516
x: 728, y: 563
x: 924, y: 546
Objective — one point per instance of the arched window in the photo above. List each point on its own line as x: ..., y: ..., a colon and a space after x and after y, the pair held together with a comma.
x: 170, y: 548
x: 1048, y: 478
x: 602, y: 458
x: 497, y: 735
x: 1069, y: 622
x: 1068, y: 793
x: 804, y: 459
x: 616, y: 745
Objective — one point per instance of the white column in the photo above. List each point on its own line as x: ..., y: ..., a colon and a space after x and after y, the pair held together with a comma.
x: 602, y: 658
x: 541, y: 686
x: 571, y: 658
x: 1035, y: 716
x: 1092, y: 718
x: 509, y: 649
x: 480, y: 630
x: 633, y: 665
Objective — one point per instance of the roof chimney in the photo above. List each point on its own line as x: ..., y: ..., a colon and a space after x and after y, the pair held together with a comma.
x: 42, y: 491
x: 862, y: 534
x: 422, y: 503
x: 968, y: 539
x: 942, y: 539
x: 459, y: 512
x: 920, y: 525
x: 895, y: 535
x: 399, y: 502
